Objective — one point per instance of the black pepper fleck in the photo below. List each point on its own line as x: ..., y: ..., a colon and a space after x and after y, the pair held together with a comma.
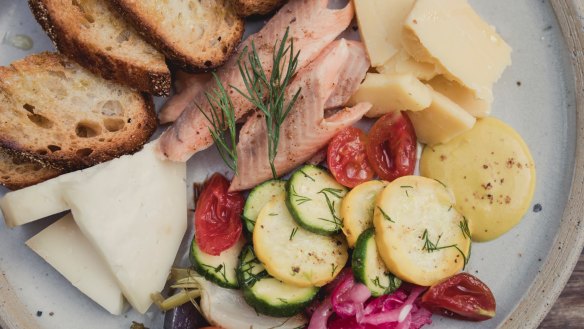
x: 39, y: 313
x: 537, y: 207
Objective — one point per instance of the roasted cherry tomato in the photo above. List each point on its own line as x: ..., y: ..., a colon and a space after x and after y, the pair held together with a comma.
x: 347, y: 158
x: 461, y: 296
x: 391, y: 149
x: 217, y: 216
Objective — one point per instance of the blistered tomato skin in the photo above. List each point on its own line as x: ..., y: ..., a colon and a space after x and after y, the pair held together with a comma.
x: 461, y: 296
x: 217, y: 216
x: 347, y: 159
x: 391, y: 149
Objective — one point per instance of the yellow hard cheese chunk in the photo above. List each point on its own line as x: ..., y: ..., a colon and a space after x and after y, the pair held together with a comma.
x: 64, y: 247
x: 491, y: 172
x: 452, y: 35
x: 421, y: 237
x: 462, y: 96
x: 392, y: 92
x: 440, y: 122
x: 380, y: 24
x: 402, y: 63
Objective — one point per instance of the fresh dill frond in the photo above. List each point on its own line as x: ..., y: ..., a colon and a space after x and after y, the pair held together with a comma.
x: 268, y: 94
x: 220, y: 118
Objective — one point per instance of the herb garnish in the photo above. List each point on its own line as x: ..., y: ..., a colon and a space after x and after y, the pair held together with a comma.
x: 268, y: 94
x: 463, y: 224
x: 406, y: 187
x: 385, y: 216
x: 293, y: 233
x: 334, y: 267
x: 337, y: 193
x: 434, y: 246
x: 300, y: 199
x: 222, y: 117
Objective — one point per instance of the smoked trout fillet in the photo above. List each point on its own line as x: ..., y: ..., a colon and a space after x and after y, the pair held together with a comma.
x: 327, y: 83
x: 313, y: 26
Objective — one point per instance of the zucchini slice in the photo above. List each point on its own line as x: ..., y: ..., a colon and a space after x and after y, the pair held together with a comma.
x: 420, y: 235
x: 218, y: 269
x: 292, y: 254
x: 258, y: 197
x: 357, y: 209
x: 368, y: 267
x: 314, y: 199
x: 266, y: 294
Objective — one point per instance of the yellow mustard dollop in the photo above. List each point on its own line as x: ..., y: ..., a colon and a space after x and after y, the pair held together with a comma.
x: 491, y: 173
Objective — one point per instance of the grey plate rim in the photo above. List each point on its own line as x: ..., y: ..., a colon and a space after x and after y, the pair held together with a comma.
x: 567, y: 245
x: 569, y: 241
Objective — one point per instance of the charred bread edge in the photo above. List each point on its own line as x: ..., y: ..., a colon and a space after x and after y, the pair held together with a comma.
x: 176, y: 58
x: 98, y: 60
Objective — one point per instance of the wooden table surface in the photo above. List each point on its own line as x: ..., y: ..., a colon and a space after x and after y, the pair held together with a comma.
x: 568, y: 311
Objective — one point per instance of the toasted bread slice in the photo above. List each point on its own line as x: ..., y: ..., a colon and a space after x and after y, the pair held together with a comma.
x: 98, y: 38
x: 255, y: 7
x: 194, y: 35
x: 18, y: 172
x: 55, y: 111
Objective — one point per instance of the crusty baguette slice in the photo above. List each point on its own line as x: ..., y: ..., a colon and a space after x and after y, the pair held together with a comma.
x: 194, y: 35
x: 17, y: 172
x: 98, y: 38
x: 256, y: 7
x: 55, y: 111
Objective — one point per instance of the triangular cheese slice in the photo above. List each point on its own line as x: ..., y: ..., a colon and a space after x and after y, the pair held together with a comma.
x: 66, y: 249
x: 134, y: 212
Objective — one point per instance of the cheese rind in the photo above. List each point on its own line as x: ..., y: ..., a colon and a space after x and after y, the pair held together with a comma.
x: 380, y: 24
x: 392, y: 92
x: 64, y: 247
x: 452, y: 35
x: 462, y: 96
x: 440, y: 122
x: 134, y: 213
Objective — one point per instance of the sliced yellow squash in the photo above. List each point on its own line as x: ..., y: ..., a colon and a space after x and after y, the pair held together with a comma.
x: 420, y: 235
x: 357, y: 209
x: 292, y: 254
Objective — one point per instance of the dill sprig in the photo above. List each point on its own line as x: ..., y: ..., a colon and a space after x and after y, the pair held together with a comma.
x: 268, y: 93
x: 222, y: 117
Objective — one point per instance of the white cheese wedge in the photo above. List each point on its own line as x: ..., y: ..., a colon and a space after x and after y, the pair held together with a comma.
x: 402, y: 63
x: 64, y: 247
x: 440, y: 122
x: 392, y: 92
x: 452, y: 35
x: 35, y: 202
x: 462, y: 96
x: 134, y: 213
x: 380, y: 24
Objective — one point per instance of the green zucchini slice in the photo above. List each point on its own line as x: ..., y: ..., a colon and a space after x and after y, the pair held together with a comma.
x: 368, y: 267
x: 314, y: 200
x: 218, y: 269
x: 258, y: 197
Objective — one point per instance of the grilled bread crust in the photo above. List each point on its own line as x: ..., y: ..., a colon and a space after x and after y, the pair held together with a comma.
x: 57, y: 113
x: 97, y: 37
x: 256, y: 7
x: 195, y: 35
x: 17, y: 173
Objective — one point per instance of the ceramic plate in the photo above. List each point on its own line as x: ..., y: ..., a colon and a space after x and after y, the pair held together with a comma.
x: 541, y: 95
